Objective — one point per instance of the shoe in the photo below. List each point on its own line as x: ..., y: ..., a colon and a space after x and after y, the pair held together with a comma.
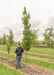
x: 19, y: 67
x: 16, y: 67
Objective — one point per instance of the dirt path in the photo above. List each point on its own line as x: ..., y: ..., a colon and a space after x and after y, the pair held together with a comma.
x: 27, y: 68
x: 41, y: 58
x: 40, y: 54
x: 38, y: 58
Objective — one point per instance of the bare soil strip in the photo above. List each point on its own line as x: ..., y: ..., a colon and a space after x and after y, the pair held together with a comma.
x: 35, y: 57
x: 41, y: 58
x: 40, y: 54
x: 27, y: 68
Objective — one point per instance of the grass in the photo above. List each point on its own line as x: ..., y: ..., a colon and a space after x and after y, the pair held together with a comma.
x: 45, y: 64
x: 5, y: 70
x: 38, y: 50
x: 43, y: 50
x: 4, y: 48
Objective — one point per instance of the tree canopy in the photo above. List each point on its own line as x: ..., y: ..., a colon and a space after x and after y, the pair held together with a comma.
x: 48, y: 36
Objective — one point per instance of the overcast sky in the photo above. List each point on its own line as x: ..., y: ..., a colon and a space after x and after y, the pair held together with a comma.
x: 41, y: 11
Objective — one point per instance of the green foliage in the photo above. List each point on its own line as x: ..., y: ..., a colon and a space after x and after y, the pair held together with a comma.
x: 19, y: 42
x: 11, y: 37
x: 34, y: 34
x: 1, y: 40
x: 48, y: 36
x: 9, y: 41
x: 35, y: 37
x: 27, y: 38
x: 4, y: 39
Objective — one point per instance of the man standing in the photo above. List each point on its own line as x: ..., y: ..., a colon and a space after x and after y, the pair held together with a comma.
x: 18, y: 54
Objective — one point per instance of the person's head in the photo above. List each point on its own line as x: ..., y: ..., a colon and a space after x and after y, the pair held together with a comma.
x: 19, y: 45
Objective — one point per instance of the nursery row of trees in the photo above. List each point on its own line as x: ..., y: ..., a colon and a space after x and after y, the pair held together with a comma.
x: 6, y: 38
x: 30, y: 37
x: 48, y: 38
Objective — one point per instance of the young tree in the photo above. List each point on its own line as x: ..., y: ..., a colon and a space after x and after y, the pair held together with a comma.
x: 27, y: 39
x: 19, y: 42
x: 35, y: 37
x: 4, y: 40
x: 8, y: 45
x: 1, y: 40
x: 11, y: 38
x: 48, y: 36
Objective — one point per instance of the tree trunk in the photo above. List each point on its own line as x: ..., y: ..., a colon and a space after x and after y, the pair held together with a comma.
x: 51, y: 49
x: 8, y: 53
x: 1, y: 47
x: 47, y: 50
x: 33, y: 51
x: 26, y: 56
x: 51, y: 52
x: 4, y: 48
x: 11, y: 49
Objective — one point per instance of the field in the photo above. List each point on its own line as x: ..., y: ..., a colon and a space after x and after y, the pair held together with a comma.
x: 49, y: 51
x: 40, y: 57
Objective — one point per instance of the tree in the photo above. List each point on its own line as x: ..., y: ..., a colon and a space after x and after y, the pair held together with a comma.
x: 48, y: 36
x: 35, y: 37
x: 11, y: 37
x: 27, y: 40
x: 19, y: 42
x: 8, y: 45
x: 1, y: 40
x: 4, y: 39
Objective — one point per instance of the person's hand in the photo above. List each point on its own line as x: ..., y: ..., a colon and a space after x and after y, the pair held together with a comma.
x: 23, y: 55
x: 15, y: 55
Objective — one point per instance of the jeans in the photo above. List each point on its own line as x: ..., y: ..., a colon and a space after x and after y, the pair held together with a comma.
x: 18, y: 61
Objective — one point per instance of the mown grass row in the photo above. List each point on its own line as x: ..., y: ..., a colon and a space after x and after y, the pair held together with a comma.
x: 45, y: 64
x: 43, y: 50
x: 5, y: 70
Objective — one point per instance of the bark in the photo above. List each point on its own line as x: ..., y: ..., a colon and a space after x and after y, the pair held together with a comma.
x: 33, y: 51
x: 26, y: 56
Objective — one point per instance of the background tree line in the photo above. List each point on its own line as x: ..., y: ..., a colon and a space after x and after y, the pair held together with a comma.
x: 30, y: 37
x: 47, y: 41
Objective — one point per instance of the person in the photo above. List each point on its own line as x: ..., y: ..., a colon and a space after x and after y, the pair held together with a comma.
x: 18, y: 54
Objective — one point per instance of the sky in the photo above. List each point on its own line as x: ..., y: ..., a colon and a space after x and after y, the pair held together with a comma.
x: 41, y: 12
